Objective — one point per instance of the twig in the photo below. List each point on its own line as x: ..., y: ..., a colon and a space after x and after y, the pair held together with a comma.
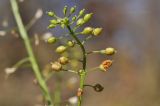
x: 35, y: 67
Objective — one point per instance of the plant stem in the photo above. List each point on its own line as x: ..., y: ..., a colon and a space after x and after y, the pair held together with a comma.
x: 80, y: 44
x: 32, y: 58
x: 19, y: 63
x: 83, y: 74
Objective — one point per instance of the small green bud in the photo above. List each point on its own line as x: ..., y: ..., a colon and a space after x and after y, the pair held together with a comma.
x: 65, y: 10
x: 59, y: 20
x: 51, y: 40
x: 80, y: 21
x: 87, y: 17
x: 51, y: 26
x: 110, y: 51
x: 61, y: 49
x: 87, y: 30
x: 63, y: 60
x: 70, y: 43
x: 56, y: 66
x: 62, y: 26
x: 53, y: 22
x: 66, y: 21
x: 97, y: 31
x: 51, y: 14
x: 81, y: 12
x: 74, y: 18
x: 73, y: 9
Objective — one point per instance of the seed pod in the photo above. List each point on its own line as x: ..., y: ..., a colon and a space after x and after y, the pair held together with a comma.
x: 61, y: 49
x: 63, y: 60
x: 97, y: 31
x: 65, y: 10
x: 51, y: 40
x: 70, y: 43
x: 73, y: 9
x: 98, y: 88
x: 87, y: 17
x: 51, y: 26
x: 81, y: 12
x: 56, y: 66
x: 80, y: 21
x: 87, y: 30
x: 110, y: 51
x: 51, y: 14
x: 105, y: 65
x: 53, y: 22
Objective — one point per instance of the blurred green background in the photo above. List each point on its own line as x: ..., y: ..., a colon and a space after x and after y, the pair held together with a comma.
x: 130, y: 26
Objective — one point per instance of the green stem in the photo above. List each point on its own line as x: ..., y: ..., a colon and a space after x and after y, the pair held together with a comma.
x: 80, y: 44
x: 32, y: 58
x: 19, y: 63
x: 83, y: 73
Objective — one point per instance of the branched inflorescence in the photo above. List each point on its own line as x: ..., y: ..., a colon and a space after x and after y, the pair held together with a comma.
x: 72, y: 22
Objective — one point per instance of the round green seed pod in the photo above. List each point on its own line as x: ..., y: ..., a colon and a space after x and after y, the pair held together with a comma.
x: 110, y: 51
x: 97, y: 31
x: 74, y: 18
x: 61, y: 49
x: 53, y: 22
x: 63, y: 60
x: 87, y: 17
x: 65, y: 10
x: 51, y: 14
x: 51, y: 26
x: 80, y: 21
x: 87, y: 30
x: 73, y: 9
x: 51, y: 40
x: 81, y: 12
x: 70, y: 43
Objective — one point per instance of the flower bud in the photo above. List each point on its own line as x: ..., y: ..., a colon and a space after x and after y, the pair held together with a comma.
x: 51, y: 14
x: 72, y: 10
x: 62, y: 26
x: 80, y: 21
x: 105, y: 65
x: 97, y: 31
x: 110, y: 51
x: 81, y: 12
x: 70, y: 43
x: 65, y: 20
x: 61, y: 49
x: 63, y: 60
x: 54, y: 22
x: 87, y: 30
x: 51, y: 26
x: 51, y: 40
x: 98, y: 88
x: 65, y: 10
x: 87, y: 17
x: 74, y: 18
x: 59, y: 20
x: 56, y: 66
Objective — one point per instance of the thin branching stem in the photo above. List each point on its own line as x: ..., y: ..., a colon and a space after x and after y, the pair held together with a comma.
x: 83, y: 74
x: 35, y: 67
